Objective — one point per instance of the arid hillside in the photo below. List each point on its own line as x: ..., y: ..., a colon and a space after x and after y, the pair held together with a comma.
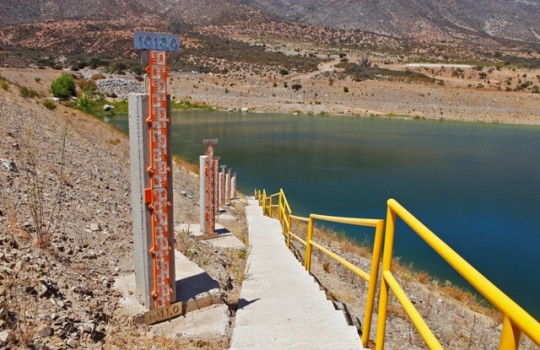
x: 515, y: 20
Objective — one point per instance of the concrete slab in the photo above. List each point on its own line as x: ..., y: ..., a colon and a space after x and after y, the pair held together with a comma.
x: 191, y: 280
x: 227, y: 242
x: 209, y: 323
x: 223, y: 238
x: 206, y: 316
x: 225, y: 217
x: 195, y: 229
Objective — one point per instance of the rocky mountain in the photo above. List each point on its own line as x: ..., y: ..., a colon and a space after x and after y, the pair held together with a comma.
x: 513, y: 22
x: 188, y: 11
x: 506, y: 19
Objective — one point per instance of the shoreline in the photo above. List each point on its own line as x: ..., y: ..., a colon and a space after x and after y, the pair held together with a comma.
x: 365, y: 99
x: 371, y: 98
x: 389, y: 116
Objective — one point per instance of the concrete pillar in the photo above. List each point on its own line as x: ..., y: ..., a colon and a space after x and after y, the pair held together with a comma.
x: 233, y: 186
x: 210, y: 187
x: 202, y: 193
x: 222, y: 186
x: 228, y: 186
x: 216, y: 184
x: 139, y: 132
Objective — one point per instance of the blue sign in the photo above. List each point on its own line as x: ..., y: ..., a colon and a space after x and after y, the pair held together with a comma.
x: 156, y: 41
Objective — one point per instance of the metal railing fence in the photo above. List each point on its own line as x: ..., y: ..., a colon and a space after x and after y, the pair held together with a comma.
x: 285, y: 215
x: 515, y: 319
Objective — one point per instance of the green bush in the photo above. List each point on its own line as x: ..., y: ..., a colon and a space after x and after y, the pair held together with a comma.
x: 86, y: 104
x: 27, y: 93
x: 49, y: 104
x: 63, y: 86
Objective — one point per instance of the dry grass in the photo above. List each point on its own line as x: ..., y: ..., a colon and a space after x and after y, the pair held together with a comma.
x: 132, y: 336
x: 45, y: 215
x: 10, y: 214
x: 185, y: 164
x: 239, y: 226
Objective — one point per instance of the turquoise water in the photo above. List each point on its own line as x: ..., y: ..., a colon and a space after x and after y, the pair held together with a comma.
x: 476, y: 186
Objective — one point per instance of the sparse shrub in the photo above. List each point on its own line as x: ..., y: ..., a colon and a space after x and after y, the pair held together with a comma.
x: 88, y: 86
x: 96, y: 62
x: 63, y: 86
x: 283, y: 71
x: 86, y: 104
x: 326, y: 266
x: 27, y: 92
x: 37, y: 79
x: 365, y: 62
x: 50, y: 105
x: 45, y: 217
x: 345, y: 89
x: 118, y: 68
x: 98, y: 76
x: 139, y: 70
x: 296, y: 86
x: 4, y: 84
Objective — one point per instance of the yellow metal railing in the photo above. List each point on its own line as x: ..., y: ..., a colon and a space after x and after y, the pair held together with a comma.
x: 515, y: 319
x: 284, y: 215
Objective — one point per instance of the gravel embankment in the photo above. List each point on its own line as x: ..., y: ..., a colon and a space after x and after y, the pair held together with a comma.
x: 60, y: 296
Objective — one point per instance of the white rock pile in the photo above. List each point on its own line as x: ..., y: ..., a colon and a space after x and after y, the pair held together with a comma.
x: 119, y: 87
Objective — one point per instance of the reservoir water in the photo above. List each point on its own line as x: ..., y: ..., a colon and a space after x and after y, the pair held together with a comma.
x: 477, y: 186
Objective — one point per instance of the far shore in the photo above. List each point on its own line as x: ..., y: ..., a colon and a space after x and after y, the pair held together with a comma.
x: 454, y: 100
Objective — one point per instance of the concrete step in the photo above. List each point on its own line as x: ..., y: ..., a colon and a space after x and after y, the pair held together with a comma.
x: 285, y: 289
x: 313, y: 313
x: 321, y: 336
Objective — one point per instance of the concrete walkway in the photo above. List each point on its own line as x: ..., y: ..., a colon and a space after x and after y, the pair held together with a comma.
x: 281, y: 306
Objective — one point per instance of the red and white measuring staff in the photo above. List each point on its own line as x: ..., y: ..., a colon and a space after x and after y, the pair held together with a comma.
x: 157, y: 196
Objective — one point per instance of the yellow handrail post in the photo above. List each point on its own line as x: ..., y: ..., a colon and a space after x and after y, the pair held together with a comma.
x: 372, y: 285
x: 387, y: 265
x: 307, y: 258
x: 270, y: 209
x: 289, y: 228
x: 280, y: 203
x: 510, y: 335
